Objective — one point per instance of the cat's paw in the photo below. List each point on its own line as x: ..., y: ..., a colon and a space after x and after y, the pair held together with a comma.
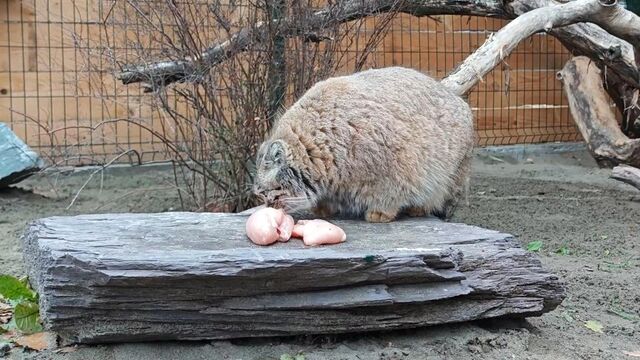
x: 379, y: 216
x: 323, y: 211
x: 416, y: 211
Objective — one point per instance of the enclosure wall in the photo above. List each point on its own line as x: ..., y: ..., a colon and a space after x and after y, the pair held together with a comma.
x: 56, y: 93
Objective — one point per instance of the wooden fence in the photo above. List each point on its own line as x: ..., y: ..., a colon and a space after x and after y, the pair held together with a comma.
x: 49, y: 80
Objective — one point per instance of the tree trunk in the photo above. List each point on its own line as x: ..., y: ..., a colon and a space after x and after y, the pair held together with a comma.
x: 590, y: 108
x: 192, y: 276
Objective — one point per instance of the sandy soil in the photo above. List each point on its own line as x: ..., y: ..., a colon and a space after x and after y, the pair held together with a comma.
x: 564, y: 202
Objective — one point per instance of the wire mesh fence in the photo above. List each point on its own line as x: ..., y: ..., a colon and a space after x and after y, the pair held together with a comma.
x: 59, y: 93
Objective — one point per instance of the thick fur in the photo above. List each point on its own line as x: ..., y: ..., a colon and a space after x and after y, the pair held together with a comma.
x: 376, y: 143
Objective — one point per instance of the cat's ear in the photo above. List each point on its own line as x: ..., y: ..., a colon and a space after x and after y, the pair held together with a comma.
x: 276, y: 152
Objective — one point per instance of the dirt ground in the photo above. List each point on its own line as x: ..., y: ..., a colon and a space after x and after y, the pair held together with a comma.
x: 589, y: 226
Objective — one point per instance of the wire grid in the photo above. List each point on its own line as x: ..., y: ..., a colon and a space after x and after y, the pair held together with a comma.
x: 520, y: 101
x: 62, y: 99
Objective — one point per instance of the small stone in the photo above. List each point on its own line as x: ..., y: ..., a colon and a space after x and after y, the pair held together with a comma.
x: 476, y: 349
x: 5, y: 347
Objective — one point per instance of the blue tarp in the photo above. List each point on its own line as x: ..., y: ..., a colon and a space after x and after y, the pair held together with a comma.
x: 17, y: 160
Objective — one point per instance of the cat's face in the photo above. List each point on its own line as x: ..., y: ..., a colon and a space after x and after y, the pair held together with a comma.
x: 278, y: 181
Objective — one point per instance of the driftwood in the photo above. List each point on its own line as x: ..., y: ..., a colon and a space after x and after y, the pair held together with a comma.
x: 502, y: 43
x: 627, y: 174
x: 189, y: 276
x: 589, y: 105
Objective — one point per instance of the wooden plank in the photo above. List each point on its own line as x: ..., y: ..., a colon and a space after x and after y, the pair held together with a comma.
x: 135, y: 277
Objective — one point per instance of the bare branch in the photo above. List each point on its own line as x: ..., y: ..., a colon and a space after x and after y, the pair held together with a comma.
x: 100, y: 169
x: 502, y: 43
x: 585, y: 39
x: 165, y: 72
x: 591, y: 40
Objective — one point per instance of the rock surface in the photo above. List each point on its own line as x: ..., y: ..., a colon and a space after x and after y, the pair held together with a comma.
x: 191, y: 276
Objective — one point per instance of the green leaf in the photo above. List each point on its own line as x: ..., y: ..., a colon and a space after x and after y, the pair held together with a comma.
x: 27, y: 315
x: 299, y: 357
x: 623, y: 314
x: 593, y: 326
x: 13, y: 289
x: 534, y: 245
x: 286, y: 357
x: 563, y: 251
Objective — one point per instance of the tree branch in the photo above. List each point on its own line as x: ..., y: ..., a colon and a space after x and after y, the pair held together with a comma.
x: 592, y: 41
x: 589, y: 105
x: 165, y: 72
x: 627, y: 174
x: 502, y: 43
x: 597, y: 43
x: 585, y: 39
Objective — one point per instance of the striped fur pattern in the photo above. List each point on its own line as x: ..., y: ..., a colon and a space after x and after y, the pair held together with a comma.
x: 375, y: 143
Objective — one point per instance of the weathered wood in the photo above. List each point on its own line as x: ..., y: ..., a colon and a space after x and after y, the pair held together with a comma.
x: 17, y: 160
x: 627, y: 174
x: 502, y: 43
x: 589, y: 105
x: 135, y: 277
x: 627, y: 99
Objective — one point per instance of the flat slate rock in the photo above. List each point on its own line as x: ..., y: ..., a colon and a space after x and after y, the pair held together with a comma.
x: 17, y: 160
x: 195, y: 276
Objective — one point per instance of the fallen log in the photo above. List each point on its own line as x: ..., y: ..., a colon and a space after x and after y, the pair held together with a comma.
x: 194, y: 276
x: 627, y: 174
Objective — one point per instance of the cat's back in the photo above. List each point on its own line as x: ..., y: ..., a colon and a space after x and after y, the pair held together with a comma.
x: 391, y: 107
x: 402, y: 91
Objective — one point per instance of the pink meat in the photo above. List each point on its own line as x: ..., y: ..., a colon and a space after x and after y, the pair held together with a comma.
x: 268, y: 225
x: 318, y: 232
x: 286, y: 228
